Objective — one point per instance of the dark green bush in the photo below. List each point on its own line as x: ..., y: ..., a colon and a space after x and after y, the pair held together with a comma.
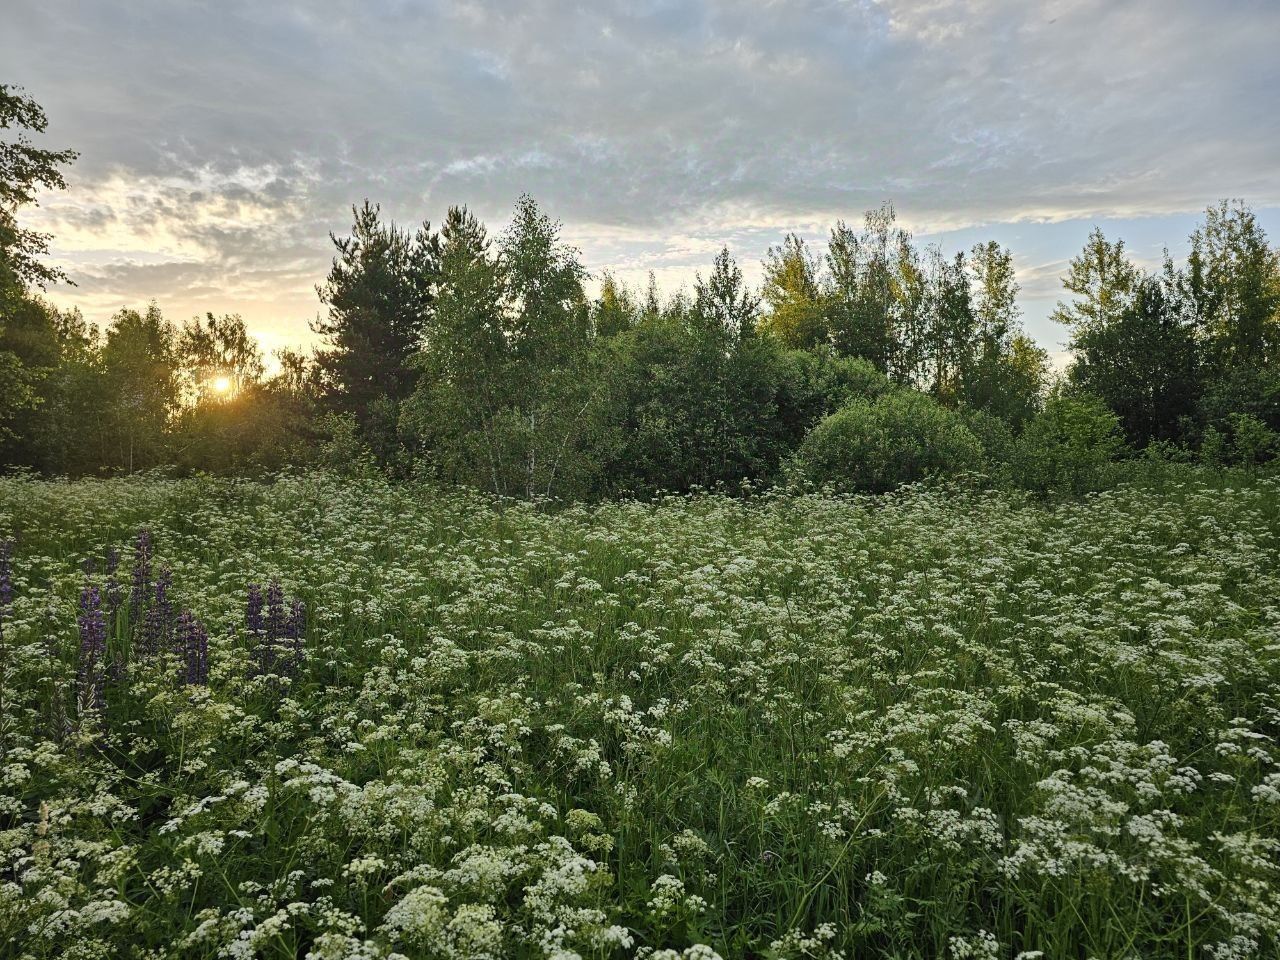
x: 1069, y: 446
x: 877, y: 445
x: 996, y: 436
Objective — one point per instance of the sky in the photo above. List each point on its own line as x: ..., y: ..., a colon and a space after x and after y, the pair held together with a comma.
x: 222, y: 141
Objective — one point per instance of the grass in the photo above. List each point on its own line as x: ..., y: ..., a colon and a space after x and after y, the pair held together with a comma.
x: 938, y: 723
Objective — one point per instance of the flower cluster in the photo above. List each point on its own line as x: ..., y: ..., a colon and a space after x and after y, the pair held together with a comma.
x: 277, y: 632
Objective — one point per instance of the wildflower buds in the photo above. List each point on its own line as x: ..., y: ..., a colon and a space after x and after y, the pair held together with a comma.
x: 193, y: 642
x: 141, y: 585
x: 93, y: 651
x: 277, y: 637
x: 6, y: 582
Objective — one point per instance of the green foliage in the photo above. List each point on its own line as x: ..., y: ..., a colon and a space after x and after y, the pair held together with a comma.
x: 1008, y: 380
x: 342, y: 450
x: 260, y: 429
x: 509, y: 398
x: 1244, y: 442
x: 147, y: 395
x: 140, y: 371
x: 1139, y: 357
x: 1233, y: 280
x: 675, y: 398
x: 25, y: 169
x: 67, y: 435
x: 1103, y: 283
x: 28, y: 350
x: 1250, y: 390
x: 1252, y: 441
x: 863, y: 266
x: 686, y: 410
x: 723, y: 303
x: 19, y: 388
x: 951, y: 339
x: 997, y: 437
x: 797, y: 307
x: 615, y: 310
x: 813, y: 384
x: 217, y: 355
x: 1240, y: 411
x: 1070, y: 446
x: 484, y: 363
x: 1003, y: 371
x: 875, y: 446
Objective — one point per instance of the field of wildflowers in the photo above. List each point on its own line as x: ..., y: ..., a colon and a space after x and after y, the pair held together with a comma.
x: 344, y: 719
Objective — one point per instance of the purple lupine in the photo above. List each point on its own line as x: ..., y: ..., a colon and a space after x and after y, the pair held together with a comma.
x: 6, y: 581
x: 276, y: 635
x: 275, y: 611
x: 6, y: 573
x: 194, y: 641
x: 113, y: 582
x: 253, y: 609
x: 141, y: 573
x: 157, y: 627
x: 93, y: 650
x: 269, y: 648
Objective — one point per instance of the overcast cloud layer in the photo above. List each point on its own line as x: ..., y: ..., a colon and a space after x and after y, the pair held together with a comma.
x: 222, y: 141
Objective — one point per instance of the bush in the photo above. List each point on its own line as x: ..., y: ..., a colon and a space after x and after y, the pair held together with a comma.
x: 690, y: 408
x: 1249, y: 390
x: 1069, y: 446
x: 1240, y: 413
x: 343, y: 452
x: 875, y: 446
x: 995, y: 435
x: 812, y: 384
x: 1252, y: 441
x: 258, y: 432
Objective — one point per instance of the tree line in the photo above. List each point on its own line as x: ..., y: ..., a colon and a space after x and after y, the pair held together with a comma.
x: 481, y: 359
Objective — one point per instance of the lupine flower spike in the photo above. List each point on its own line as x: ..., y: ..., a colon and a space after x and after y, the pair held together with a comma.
x: 194, y: 643
x: 93, y: 651
x: 6, y: 582
x: 141, y: 585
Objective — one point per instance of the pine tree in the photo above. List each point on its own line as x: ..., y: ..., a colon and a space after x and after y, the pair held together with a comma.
x: 379, y: 291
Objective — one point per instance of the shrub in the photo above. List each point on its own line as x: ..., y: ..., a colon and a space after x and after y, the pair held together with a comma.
x: 1240, y: 413
x: 343, y: 451
x: 1249, y: 390
x: 812, y: 384
x: 1252, y: 441
x: 688, y: 408
x: 995, y: 435
x: 1069, y: 446
x: 875, y: 446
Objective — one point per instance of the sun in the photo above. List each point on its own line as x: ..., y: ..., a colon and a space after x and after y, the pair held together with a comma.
x: 221, y: 385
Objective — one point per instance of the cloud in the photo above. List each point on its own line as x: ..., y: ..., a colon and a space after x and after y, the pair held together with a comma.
x: 224, y: 141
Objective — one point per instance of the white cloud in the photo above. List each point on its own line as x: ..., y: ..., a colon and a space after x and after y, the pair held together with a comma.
x: 223, y: 142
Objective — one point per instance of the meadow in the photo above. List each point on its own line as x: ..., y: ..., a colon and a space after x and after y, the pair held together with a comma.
x: 350, y: 719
